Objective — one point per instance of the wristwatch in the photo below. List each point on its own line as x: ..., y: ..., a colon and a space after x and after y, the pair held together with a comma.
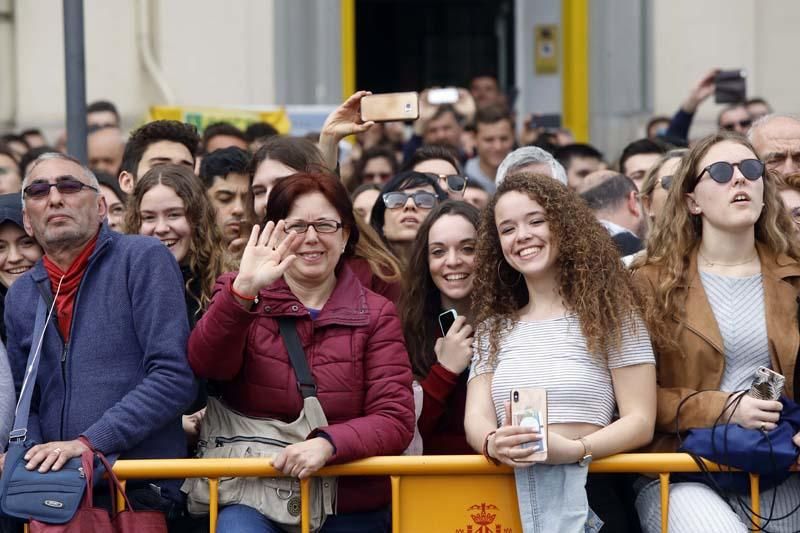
x: 586, y: 460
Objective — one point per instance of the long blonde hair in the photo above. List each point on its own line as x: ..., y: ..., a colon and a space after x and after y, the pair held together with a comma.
x: 678, y: 232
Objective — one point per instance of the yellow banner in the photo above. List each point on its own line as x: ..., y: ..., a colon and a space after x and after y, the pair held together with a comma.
x: 201, y: 117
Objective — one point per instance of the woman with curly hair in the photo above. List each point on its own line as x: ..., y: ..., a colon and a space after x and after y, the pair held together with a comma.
x: 555, y: 310
x: 169, y: 202
x: 722, y: 277
x: 440, y: 277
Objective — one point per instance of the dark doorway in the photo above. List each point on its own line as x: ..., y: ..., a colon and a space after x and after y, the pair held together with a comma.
x: 407, y: 45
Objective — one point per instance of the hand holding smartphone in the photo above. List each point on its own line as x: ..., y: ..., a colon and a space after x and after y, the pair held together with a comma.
x: 529, y: 410
x: 454, y: 349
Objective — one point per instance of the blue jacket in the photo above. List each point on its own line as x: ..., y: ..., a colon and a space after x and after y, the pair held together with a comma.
x: 123, y: 379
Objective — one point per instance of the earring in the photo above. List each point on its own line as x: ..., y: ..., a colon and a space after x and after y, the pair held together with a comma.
x: 503, y: 282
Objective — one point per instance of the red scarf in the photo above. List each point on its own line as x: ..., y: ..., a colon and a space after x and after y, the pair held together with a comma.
x: 65, y: 301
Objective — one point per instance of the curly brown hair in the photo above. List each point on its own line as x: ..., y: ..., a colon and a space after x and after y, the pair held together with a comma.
x: 593, y: 282
x: 678, y: 232
x: 207, y: 258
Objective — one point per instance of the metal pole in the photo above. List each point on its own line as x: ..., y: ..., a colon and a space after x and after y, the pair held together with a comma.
x: 75, y: 72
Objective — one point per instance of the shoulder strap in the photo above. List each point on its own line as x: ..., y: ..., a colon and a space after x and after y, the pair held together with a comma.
x: 29, y: 383
x: 305, y: 381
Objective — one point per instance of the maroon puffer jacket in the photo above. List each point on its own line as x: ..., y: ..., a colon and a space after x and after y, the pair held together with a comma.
x: 357, y: 356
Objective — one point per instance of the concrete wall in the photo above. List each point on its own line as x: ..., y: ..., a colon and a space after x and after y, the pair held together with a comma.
x: 645, y: 56
x: 690, y: 37
x: 211, y: 53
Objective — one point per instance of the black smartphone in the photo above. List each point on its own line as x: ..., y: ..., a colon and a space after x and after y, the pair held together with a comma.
x: 548, y: 122
x: 730, y: 87
x: 446, y: 320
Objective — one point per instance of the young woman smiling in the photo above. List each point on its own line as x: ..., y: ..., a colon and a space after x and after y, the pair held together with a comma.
x: 169, y: 202
x: 556, y: 310
x: 18, y: 251
x: 439, y: 278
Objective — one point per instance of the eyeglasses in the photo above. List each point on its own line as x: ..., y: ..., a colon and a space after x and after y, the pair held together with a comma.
x: 422, y: 199
x: 68, y: 185
x: 665, y: 182
x: 377, y: 176
x: 455, y: 182
x: 320, y: 226
x: 722, y: 171
x: 746, y: 123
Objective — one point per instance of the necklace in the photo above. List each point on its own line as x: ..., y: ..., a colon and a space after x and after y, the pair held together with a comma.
x: 709, y: 263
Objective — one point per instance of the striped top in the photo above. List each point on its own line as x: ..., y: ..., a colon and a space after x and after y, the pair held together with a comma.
x: 552, y: 355
x: 738, y: 306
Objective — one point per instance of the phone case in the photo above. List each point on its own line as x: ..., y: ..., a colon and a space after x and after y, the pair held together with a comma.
x: 529, y: 408
x: 446, y: 320
x: 390, y: 107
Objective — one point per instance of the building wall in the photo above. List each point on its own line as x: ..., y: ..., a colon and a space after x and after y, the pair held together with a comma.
x: 690, y: 37
x: 251, y: 52
x: 210, y: 53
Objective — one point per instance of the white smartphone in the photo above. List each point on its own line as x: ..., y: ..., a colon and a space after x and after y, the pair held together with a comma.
x: 448, y: 95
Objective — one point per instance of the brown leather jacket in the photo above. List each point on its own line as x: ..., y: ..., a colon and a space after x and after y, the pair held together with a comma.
x: 699, y: 363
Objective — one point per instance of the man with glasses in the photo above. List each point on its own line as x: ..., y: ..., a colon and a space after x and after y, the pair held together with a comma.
x: 776, y: 139
x: 734, y: 118
x: 113, y: 374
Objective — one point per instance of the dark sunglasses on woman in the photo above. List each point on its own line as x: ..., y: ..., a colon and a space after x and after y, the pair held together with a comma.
x: 722, y: 171
x: 665, y: 182
x: 455, y: 183
x: 422, y: 199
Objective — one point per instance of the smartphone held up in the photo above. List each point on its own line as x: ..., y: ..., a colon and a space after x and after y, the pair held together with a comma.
x: 390, y: 107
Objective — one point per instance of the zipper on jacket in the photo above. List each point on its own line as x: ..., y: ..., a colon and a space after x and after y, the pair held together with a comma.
x: 64, y: 382
x: 99, y: 248
x: 222, y: 441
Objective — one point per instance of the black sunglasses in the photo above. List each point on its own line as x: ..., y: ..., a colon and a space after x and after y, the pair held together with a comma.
x: 722, y: 171
x: 422, y: 199
x: 69, y: 185
x: 746, y: 123
x: 665, y: 182
x: 455, y: 182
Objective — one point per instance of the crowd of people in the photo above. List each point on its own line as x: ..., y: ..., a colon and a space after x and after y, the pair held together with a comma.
x: 640, y: 292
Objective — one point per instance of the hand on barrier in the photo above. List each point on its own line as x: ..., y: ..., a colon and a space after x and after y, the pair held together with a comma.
x: 191, y: 425
x: 505, y: 444
x: 752, y: 413
x: 265, y: 258
x: 302, y: 459
x: 454, y: 351
x: 53, y: 455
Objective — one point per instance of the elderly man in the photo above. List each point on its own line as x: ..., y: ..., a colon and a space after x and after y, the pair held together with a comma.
x: 531, y: 159
x: 113, y: 373
x: 776, y: 139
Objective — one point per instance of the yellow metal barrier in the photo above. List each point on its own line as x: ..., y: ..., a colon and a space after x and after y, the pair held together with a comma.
x: 422, y: 485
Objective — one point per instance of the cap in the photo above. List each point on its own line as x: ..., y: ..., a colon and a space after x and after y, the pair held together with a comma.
x: 11, y: 209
